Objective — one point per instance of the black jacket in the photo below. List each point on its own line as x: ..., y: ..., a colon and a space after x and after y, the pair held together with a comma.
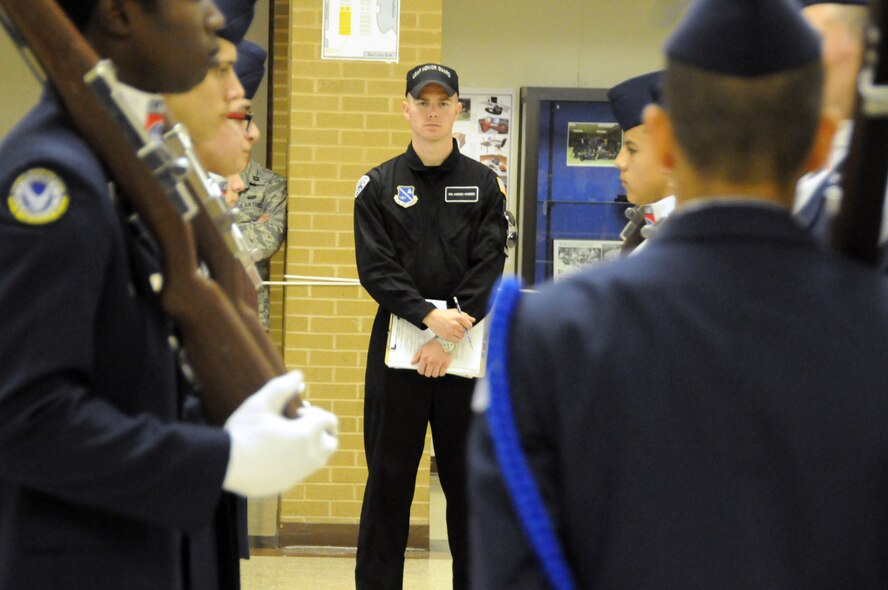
x: 430, y: 233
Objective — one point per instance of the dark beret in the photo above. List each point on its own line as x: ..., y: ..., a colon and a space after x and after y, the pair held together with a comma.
x: 744, y: 38
x: 238, y: 16
x: 250, y: 66
x: 628, y: 98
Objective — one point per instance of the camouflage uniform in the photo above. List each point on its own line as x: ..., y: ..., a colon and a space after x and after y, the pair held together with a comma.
x: 263, y: 220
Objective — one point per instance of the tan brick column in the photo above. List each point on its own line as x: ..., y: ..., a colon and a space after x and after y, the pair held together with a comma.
x: 344, y: 117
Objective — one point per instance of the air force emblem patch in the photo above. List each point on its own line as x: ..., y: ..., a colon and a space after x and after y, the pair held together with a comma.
x: 406, y: 196
x: 361, y: 184
x: 38, y: 196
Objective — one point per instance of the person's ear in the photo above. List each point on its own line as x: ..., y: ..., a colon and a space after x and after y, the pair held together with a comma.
x: 661, y: 138
x: 115, y: 17
x: 826, y: 128
x: 405, y: 106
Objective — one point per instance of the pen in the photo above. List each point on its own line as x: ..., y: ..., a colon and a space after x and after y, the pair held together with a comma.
x: 459, y: 309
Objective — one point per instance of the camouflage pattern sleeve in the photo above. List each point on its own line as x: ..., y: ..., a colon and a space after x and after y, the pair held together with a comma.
x: 263, y: 205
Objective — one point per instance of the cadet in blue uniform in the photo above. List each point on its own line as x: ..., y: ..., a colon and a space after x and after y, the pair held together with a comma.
x: 646, y: 182
x: 841, y: 23
x: 710, y: 413
x: 108, y: 478
x: 219, y: 143
x: 429, y: 224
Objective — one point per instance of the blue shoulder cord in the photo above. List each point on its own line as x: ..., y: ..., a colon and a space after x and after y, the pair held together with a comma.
x: 526, y: 498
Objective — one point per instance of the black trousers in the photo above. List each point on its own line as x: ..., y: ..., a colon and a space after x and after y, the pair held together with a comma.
x: 398, y: 406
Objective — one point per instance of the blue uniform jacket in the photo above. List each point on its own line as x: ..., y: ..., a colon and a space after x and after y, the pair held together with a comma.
x: 709, y: 414
x: 101, y: 483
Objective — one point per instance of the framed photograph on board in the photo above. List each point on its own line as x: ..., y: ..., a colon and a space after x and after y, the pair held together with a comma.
x: 572, y: 255
x: 593, y: 144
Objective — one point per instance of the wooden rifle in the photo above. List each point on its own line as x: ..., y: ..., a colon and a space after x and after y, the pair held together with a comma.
x: 857, y: 226
x: 230, y: 354
x: 631, y: 232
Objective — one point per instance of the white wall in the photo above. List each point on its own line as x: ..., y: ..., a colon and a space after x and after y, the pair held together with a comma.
x: 564, y: 43
x: 502, y: 43
x: 19, y: 89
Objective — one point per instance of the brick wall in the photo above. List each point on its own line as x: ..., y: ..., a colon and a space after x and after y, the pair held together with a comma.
x: 278, y: 152
x: 333, y: 121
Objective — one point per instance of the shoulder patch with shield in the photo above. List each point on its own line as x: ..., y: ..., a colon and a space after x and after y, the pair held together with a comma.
x: 406, y: 196
x: 362, y: 182
x: 38, y: 196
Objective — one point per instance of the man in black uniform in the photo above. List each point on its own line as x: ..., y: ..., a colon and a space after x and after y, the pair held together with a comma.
x: 109, y: 476
x: 750, y: 449
x: 429, y: 224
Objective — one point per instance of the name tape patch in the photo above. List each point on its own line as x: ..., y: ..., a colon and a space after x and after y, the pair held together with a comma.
x: 461, y: 194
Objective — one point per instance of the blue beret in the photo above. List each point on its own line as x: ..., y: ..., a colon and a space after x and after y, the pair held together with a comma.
x: 238, y: 16
x: 250, y: 66
x: 744, y: 38
x: 628, y: 98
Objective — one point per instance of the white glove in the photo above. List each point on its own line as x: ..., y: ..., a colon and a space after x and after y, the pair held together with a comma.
x: 269, y: 452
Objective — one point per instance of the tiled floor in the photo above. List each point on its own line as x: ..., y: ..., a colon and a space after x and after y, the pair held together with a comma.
x: 290, y: 572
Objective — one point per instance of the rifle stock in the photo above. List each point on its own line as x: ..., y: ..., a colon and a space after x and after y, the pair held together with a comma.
x: 231, y: 358
x: 857, y: 226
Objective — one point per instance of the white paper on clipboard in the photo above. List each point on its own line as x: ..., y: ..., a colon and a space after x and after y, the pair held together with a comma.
x: 404, y: 339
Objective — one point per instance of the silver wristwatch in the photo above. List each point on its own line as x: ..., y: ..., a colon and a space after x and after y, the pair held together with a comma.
x: 448, y: 346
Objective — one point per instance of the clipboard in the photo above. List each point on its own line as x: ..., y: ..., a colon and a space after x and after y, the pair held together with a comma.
x: 404, y: 339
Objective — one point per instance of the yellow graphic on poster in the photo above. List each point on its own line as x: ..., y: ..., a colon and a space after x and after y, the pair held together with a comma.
x: 345, y: 20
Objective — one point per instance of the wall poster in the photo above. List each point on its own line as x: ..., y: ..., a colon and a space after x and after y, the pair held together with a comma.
x: 365, y: 30
x: 486, y: 130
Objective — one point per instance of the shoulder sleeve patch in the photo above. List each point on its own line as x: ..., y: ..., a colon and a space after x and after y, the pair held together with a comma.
x: 502, y: 186
x: 38, y: 196
x: 361, y: 184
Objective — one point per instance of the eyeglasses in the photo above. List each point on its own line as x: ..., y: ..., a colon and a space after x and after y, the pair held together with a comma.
x: 248, y: 117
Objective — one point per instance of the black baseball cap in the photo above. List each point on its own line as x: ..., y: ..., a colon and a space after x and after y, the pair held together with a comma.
x: 421, y: 76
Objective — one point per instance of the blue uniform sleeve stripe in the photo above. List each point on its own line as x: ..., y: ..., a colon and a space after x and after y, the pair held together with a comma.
x: 525, y: 494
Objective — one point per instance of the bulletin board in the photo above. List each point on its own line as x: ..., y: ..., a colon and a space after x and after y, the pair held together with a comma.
x: 572, y: 204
